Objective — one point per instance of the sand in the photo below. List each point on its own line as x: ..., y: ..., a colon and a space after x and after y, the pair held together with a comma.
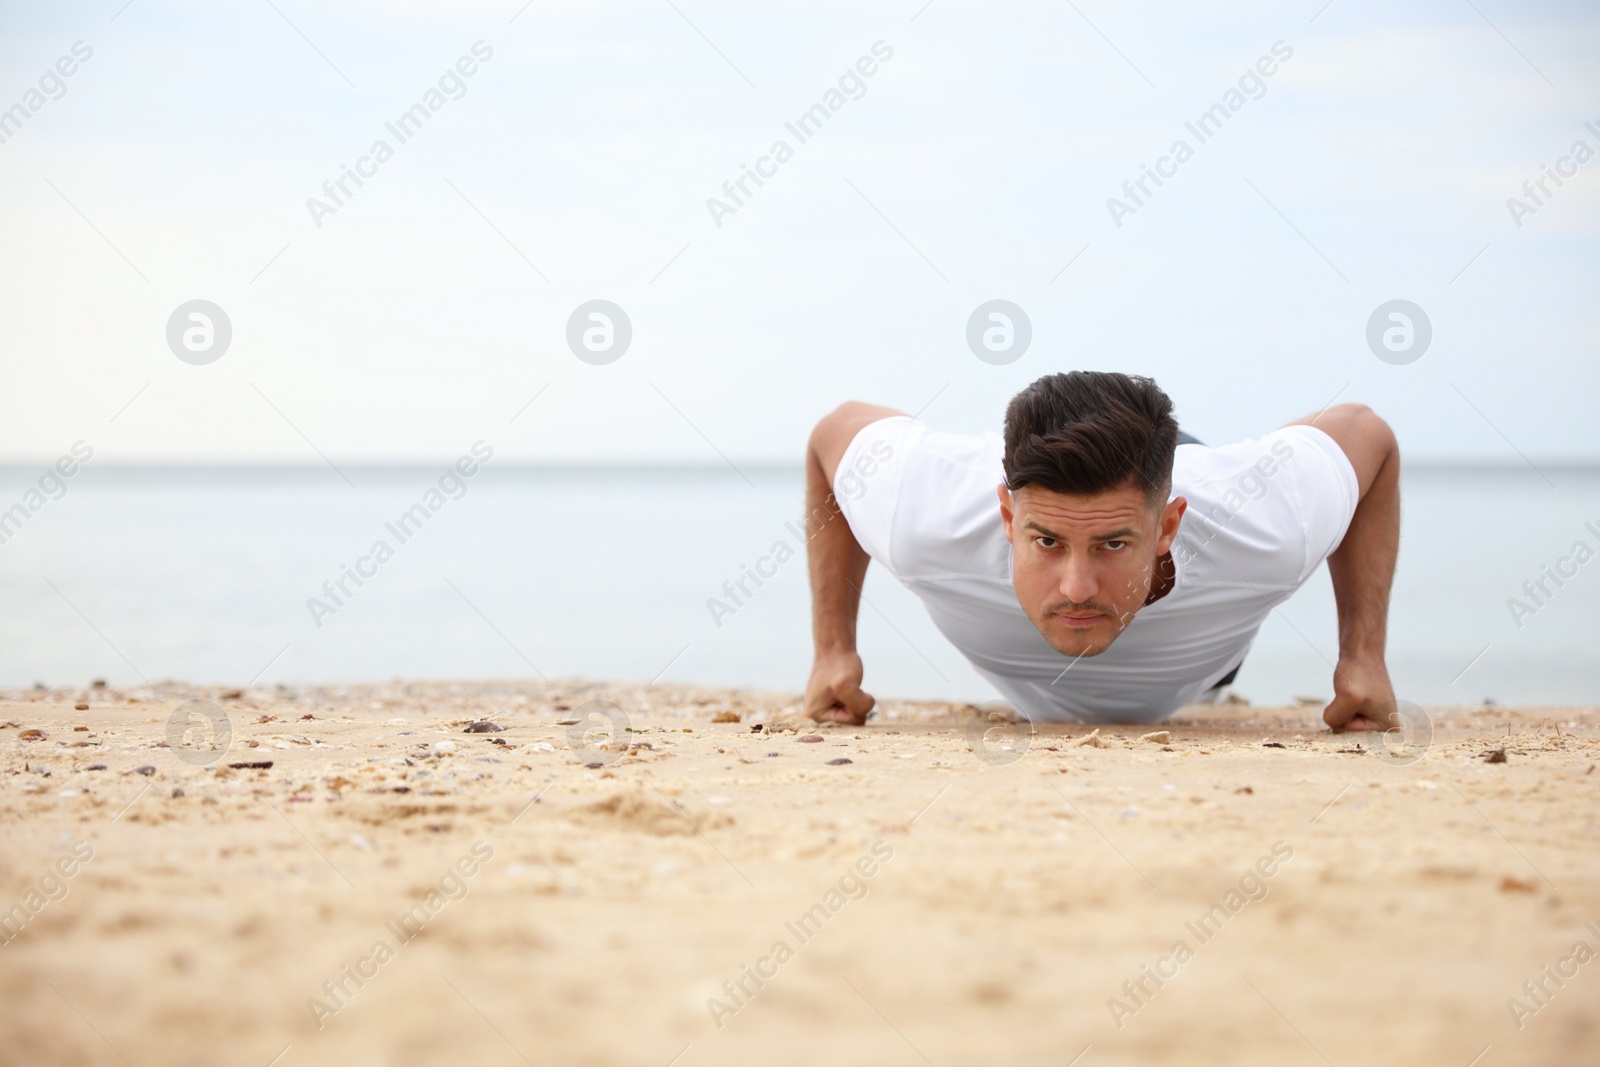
x: 489, y: 898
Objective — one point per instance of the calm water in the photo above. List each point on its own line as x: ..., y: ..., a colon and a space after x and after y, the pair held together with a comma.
x: 204, y: 576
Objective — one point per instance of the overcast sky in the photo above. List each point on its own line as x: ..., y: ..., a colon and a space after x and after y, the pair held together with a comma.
x: 1375, y: 163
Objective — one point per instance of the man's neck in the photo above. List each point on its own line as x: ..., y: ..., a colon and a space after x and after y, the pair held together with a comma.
x: 1166, y: 577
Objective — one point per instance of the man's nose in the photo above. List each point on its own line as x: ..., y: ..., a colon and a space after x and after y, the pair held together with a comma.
x: 1078, y: 581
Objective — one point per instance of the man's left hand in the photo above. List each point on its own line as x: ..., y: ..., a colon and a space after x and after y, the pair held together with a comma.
x: 1363, y: 699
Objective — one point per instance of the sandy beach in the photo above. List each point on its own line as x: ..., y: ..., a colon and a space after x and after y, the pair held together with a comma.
x: 704, y: 883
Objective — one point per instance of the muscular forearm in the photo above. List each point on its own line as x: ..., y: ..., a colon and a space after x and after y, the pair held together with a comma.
x: 837, y: 562
x: 1363, y: 567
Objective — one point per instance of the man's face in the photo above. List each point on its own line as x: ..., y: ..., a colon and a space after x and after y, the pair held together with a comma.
x: 1083, y: 565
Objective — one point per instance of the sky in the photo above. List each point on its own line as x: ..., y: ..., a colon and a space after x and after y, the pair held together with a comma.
x: 429, y: 307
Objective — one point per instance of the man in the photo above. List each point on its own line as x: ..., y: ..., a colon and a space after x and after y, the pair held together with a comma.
x: 1120, y: 575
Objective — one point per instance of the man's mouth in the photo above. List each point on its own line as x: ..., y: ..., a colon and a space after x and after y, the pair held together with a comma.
x: 1079, y: 620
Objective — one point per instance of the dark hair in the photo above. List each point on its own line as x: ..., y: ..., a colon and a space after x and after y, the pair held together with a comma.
x: 1087, y: 432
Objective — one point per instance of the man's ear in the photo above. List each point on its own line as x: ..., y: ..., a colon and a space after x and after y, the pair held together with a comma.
x: 1167, y: 528
x: 1007, y: 508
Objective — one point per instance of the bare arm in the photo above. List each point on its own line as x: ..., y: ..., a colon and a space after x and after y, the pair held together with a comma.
x: 1363, y: 569
x: 838, y: 566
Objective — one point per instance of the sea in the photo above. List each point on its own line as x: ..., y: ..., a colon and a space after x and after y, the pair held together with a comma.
x: 240, y: 576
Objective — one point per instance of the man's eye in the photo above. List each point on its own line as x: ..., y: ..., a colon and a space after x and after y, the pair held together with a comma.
x: 1115, y: 545
x: 1040, y: 541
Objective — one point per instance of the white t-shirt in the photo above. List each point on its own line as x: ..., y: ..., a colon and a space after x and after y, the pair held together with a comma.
x: 1262, y: 515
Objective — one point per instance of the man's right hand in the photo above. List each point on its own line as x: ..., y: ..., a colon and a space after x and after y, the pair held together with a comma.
x: 834, y: 693
x: 837, y: 565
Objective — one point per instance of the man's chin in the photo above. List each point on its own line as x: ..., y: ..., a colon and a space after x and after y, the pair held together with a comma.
x: 1081, y: 650
x: 1079, y: 643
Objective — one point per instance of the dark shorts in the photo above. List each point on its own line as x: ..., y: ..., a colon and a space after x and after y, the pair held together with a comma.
x: 1227, y: 679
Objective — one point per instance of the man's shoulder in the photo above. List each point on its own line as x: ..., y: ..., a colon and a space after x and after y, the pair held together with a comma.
x: 1206, y: 472
x: 1263, y: 509
x: 932, y: 493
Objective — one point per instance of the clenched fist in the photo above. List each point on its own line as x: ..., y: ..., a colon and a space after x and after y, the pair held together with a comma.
x: 1363, y: 699
x: 834, y: 693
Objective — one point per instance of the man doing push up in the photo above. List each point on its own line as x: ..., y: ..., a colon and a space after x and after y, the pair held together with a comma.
x: 1094, y: 563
